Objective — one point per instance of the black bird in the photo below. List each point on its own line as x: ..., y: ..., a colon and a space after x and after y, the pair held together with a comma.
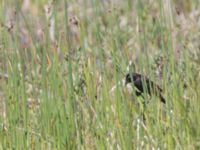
x: 140, y: 82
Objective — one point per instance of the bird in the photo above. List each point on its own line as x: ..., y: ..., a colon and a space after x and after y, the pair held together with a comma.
x: 140, y: 81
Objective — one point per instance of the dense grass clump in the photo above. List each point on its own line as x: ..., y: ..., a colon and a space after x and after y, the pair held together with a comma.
x: 63, y: 65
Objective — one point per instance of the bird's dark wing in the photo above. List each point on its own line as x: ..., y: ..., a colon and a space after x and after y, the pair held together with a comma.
x: 138, y: 84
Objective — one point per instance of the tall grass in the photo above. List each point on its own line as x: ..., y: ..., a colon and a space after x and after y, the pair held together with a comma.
x: 58, y: 67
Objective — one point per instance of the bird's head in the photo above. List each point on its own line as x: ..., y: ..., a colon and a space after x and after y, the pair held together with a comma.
x: 131, y: 77
x: 128, y: 79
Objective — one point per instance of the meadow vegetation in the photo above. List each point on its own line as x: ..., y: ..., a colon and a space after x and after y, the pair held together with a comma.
x: 62, y: 63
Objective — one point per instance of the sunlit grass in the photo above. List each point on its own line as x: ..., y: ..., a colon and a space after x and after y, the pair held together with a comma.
x: 61, y: 60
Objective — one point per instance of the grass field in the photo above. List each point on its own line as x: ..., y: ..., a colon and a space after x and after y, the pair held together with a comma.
x: 62, y: 63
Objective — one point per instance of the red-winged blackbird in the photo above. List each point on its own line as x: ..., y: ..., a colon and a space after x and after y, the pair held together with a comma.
x: 138, y: 81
